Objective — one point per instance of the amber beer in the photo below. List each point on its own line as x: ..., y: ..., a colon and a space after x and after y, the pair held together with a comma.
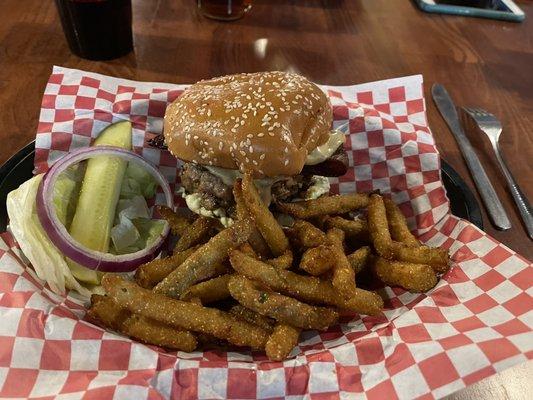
x: 225, y: 10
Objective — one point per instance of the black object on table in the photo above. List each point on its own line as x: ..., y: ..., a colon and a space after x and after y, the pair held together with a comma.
x: 19, y: 168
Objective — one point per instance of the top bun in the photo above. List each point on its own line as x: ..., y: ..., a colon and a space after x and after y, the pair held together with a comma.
x: 265, y: 122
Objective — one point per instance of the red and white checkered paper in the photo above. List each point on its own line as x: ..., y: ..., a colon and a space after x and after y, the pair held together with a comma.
x: 476, y: 322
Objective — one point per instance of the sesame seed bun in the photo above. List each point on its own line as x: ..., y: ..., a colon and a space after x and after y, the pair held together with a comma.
x: 265, y: 122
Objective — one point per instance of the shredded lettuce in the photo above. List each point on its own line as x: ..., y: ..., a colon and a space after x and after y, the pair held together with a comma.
x: 133, y: 229
x: 49, y: 264
x: 138, y: 182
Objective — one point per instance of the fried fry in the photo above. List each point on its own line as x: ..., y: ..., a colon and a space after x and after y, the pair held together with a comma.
x: 398, y: 225
x: 379, y: 227
x: 209, y: 291
x: 338, y: 204
x: 317, y: 260
x: 150, y: 274
x: 252, y: 317
x: 196, y: 233
x: 353, y: 228
x: 281, y: 342
x: 413, y: 277
x: 437, y: 257
x: 201, y: 264
x: 109, y: 314
x: 177, y: 223
x: 343, y: 275
x: 182, y: 314
x: 282, y: 308
x: 359, y: 258
x: 303, y: 235
x: 266, y: 223
x: 283, y: 262
x: 256, y: 239
x: 246, y: 248
x: 306, y: 288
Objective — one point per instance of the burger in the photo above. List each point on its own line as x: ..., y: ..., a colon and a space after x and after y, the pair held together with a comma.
x: 276, y: 125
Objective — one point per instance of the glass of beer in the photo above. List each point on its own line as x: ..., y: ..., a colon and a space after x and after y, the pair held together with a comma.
x: 224, y: 10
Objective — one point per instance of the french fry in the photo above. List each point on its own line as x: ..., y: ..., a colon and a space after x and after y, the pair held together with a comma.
x: 247, y: 249
x: 283, y: 262
x: 303, y: 235
x: 378, y: 226
x: 109, y: 314
x: 338, y: 204
x: 252, y: 317
x: 263, y: 218
x: 317, y: 260
x: 398, y: 225
x: 196, y: 233
x: 202, y: 263
x: 150, y: 274
x: 256, y: 239
x: 282, y: 308
x: 413, y: 277
x: 281, y: 342
x: 306, y: 288
x: 182, y: 314
x: 353, y: 228
x: 320, y: 221
x: 177, y: 223
x: 359, y: 258
x: 343, y: 275
x: 437, y: 257
x: 209, y: 291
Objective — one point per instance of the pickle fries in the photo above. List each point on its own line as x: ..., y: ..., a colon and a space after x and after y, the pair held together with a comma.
x: 274, y: 281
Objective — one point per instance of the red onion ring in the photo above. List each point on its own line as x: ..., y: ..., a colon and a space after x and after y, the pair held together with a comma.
x: 59, y: 235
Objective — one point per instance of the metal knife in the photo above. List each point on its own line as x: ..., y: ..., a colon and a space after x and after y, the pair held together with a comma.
x: 493, y: 204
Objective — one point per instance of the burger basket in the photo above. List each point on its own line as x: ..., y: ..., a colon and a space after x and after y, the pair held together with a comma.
x: 476, y: 322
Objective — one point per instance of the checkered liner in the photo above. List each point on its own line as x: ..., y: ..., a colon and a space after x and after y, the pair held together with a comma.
x: 477, y: 321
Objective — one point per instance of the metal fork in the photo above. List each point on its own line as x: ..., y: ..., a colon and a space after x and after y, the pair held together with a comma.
x: 490, y: 125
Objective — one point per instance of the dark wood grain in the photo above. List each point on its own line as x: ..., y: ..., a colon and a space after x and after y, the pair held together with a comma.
x: 483, y: 63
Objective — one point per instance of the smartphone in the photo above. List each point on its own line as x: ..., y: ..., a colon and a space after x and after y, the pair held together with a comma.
x: 495, y: 9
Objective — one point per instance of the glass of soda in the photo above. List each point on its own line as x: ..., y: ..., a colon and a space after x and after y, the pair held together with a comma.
x: 97, y: 29
x: 224, y: 10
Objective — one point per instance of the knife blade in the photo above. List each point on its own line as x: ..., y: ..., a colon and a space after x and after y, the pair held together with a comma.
x: 492, y: 203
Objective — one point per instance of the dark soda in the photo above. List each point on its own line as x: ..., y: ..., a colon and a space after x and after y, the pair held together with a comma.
x: 226, y: 10
x: 97, y: 29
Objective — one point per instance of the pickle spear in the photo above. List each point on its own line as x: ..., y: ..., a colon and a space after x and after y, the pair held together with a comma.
x: 99, y: 194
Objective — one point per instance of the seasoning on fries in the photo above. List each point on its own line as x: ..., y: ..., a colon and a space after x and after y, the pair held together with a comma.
x: 398, y: 225
x: 328, y: 205
x: 209, y: 291
x: 279, y: 307
x: 182, y: 314
x: 413, y: 277
x: 274, y: 281
x: 281, y: 342
x: 110, y: 315
x: 177, y: 223
x: 150, y: 274
x: 263, y: 218
x: 197, y: 232
x: 201, y: 264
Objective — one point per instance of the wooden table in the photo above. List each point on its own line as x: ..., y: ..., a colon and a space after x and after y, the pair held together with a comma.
x: 481, y: 62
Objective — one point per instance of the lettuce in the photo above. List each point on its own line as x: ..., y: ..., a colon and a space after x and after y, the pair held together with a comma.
x: 49, y: 264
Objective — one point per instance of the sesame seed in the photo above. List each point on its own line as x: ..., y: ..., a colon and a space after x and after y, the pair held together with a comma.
x: 286, y: 162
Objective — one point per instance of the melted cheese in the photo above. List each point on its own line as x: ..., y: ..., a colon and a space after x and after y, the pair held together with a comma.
x: 193, y: 202
x: 322, y: 153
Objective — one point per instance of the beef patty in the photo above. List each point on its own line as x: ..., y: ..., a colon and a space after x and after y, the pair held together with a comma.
x: 214, y: 193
